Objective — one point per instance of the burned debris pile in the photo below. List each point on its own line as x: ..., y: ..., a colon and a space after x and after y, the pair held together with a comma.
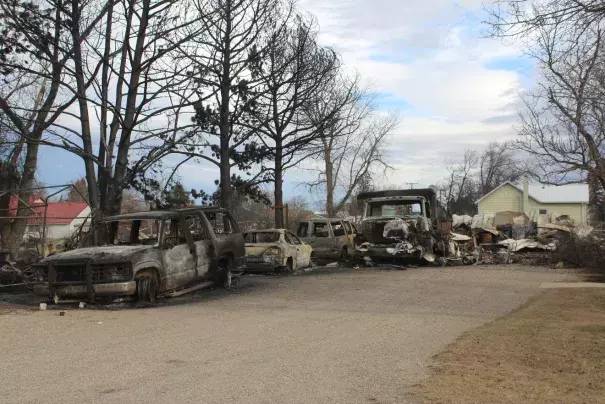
x: 408, y: 225
x: 512, y: 237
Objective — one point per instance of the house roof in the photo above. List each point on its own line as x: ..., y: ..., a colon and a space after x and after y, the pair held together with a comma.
x: 570, y: 193
x: 13, y: 203
x: 57, y: 213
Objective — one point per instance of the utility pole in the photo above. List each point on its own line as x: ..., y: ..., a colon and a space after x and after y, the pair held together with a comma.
x: 411, y: 184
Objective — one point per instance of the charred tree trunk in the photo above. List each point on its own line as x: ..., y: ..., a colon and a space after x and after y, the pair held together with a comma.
x: 224, y: 120
x: 116, y: 184
x: 89, y: 167
x: 9, y: 179
x: 106, y: 145
x: 329, y: 182
x: 279, y: 179
x: 593, y: 197
x: 27, y: 183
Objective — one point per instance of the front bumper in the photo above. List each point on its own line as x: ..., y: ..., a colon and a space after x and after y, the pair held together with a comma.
x: 388, y: 251
x: 100, y: 289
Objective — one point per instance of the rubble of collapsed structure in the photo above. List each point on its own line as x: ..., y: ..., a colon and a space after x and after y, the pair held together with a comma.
x: 512, y: 237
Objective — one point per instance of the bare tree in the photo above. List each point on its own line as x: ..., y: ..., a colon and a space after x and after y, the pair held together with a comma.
x: 458, y: 189
x: 79, y: 191
x: 294, y: 70
x: 225, y: 65
x: 522, y: 18
x: 497, y: 165
x: 563, y: 124
x: 352, y: 141
x: 37, y: 50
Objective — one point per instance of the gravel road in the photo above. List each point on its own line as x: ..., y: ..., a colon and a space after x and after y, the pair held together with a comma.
x: 330, y: 336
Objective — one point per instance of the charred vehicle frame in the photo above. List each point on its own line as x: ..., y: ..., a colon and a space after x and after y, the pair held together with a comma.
x: 330, y: 238
x: 401, y: 224
x: 275, y: 250
x: 146, y: 255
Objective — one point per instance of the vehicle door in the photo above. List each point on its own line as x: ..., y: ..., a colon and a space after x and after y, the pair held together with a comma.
x: 303, y: 251
x: 229, y: 240
x: 349, y: 230
x: 290, y: 249
x: 178, y: 253
x: 320, y: 236
x: 201, y: 241
x: 341, y: 238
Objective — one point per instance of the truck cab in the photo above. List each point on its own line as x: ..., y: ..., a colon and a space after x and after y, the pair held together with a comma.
x: 398, y: 224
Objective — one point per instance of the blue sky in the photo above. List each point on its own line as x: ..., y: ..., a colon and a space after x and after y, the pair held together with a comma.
x: 431, y: 60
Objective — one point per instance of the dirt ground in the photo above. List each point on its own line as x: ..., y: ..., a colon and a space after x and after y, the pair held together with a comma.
x: 332, y: 336
x: 551, y: 350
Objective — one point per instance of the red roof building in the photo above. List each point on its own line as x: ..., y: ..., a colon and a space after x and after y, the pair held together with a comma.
x: 57, y: 213
x: 13, y: 203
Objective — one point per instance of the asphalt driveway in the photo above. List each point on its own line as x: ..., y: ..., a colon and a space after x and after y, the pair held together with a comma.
x: 332, y: 336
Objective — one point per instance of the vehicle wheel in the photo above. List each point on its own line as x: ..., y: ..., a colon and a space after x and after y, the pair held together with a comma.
x: 344, y: 255
x: 224, y: 276
x: 146, y: 289
x: 288, y: 268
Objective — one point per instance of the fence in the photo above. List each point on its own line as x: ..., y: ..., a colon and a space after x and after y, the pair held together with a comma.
x: 37, y: 209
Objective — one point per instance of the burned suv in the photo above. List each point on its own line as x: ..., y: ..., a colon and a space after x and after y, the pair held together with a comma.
x: 398, y: 224
x: 148, y: 254
x: 330, y: 238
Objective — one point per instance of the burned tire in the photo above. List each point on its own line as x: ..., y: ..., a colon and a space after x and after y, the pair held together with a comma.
x: 344, y: 254
x: 288, y: 268
x: 146, y: 289
x: 224, y: 276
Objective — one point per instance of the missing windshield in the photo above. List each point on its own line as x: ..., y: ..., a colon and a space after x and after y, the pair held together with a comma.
x: 129, y: 232
x: 395, y: 208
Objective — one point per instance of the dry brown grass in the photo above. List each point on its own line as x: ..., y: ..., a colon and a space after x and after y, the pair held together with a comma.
x: 552, y: 350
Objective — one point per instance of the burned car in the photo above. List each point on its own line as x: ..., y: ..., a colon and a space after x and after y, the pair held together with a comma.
x: 148, y: 254
x: 399, y: 224
x: 330, y: 238
x: 275, y: 250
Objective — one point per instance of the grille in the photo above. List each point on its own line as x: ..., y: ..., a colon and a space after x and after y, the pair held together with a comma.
x: 373, y: 232
x: 100, y: 273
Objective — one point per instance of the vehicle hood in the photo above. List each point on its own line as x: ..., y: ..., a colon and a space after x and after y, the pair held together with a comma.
x: 99, y: 254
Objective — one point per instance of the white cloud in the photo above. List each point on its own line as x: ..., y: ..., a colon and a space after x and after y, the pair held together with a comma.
x: 432, y: 56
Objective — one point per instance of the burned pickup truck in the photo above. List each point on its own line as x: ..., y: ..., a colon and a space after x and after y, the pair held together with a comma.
x: 399, y: 224
x: 148, y: 254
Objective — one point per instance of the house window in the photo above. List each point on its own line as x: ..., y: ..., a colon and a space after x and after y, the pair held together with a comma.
x: 543, y: 211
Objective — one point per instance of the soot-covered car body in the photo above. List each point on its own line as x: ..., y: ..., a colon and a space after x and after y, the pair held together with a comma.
x: 331, y: 238
x: 398, y: 224
x: 275, y: 250
x: 147, y: 254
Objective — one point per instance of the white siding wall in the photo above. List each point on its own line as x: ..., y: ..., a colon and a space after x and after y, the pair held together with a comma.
x: 509, y: 198
x: 81, y: 218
